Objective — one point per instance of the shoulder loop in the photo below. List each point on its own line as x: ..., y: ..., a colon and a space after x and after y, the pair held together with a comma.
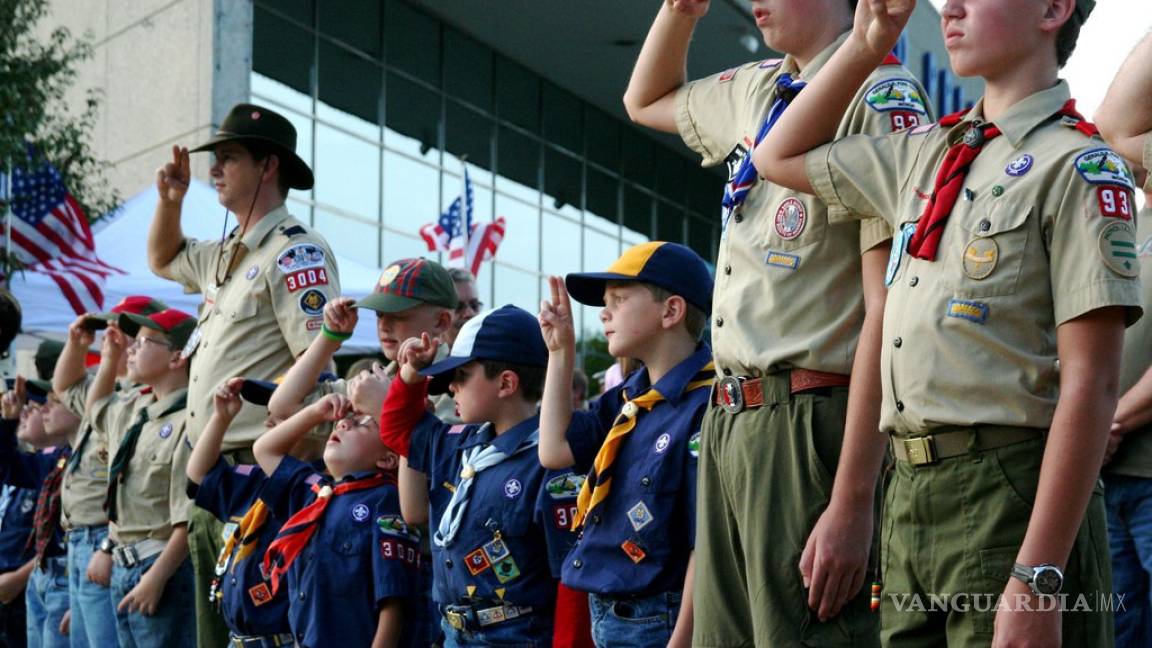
x: 295, y: 230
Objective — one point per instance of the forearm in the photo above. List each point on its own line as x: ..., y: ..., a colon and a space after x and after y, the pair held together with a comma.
x: 402, y: 409
x: 682, y: 633
x: 661, y: 68
x: 389, y: 624
x: 174, y: 553
x: 275, y: 444
x: 1125, y: 114
x: 556, y: 412
x: 413, y: 487
x: 69, y: 367
x: 165, y: 236
x: 207, y: 450
x: 1134, y: 410
x: 301, y: 378
x: 103, y: 384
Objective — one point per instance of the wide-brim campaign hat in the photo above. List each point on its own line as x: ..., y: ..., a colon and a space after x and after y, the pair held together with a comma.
x: 175, y: 324
x: 506, y: 334
x: 252, y: 123
x: 671, y: 266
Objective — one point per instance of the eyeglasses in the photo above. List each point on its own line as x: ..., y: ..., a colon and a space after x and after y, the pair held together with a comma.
x: 362, y: 420
x: 136, y: 343
x: 474, y: 304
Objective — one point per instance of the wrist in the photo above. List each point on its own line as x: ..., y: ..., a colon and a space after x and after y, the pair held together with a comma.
x: 339, y: 337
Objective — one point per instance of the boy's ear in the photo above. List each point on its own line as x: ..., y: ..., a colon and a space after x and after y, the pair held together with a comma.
x: 509, y: 383
x: 1056, y: 14
x: 389, y: 462
x: 443, y: 320
x: 177, y: 361
x: 675, y: 310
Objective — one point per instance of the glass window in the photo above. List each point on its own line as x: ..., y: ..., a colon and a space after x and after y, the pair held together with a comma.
x: 349, y: 238
x: 300, y: 210
x: 267, y: 89
x: 350, y: 84
x: 603, y: 206
x: 559, y: 245
x: 402, y: 245
x: 453, y: 186
x: 412, y: 111
x: 671, y: 173
x: 281, y: 50
x: 669, y: 222
x: 522, y: 232
x: 355, y: 22
x: 484, y: 285
x: 637, y: 211
x: 468, y: 133
x: 562, y: 182
x: 412, y: 41
x: 600, y: 251
x: 603, y: 133
x: 411, y: 193
x: 518, y: 164
x: 515, y: 287
x: 517, y: 94
x: 467, y: 69
x: 637, y: 153
x: 298, y: 10
x: 347, y: 172
x: 562, y: 122
x: 700, y: 237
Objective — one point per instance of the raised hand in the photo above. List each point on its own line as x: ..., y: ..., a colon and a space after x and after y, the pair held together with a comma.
x: 80, y: 335
x: 172, y: 179
x: 332, y: 407
x: 556, y: 319
x: 878, y: 23
x: 694, y: 8
x: 114, y: 345
x: 341, y: 315
x: 12, y: 402
x: 418, y: 353
x: 368, y: 389
x: 226, y: 400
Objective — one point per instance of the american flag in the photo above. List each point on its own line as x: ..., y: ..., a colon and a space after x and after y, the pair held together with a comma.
x: 468, y: 244
x: 50, y: 235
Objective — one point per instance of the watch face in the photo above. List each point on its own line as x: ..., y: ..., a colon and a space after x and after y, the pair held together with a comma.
x: 1048, y: 580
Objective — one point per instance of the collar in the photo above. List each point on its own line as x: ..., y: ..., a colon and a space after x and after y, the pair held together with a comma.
x: 674, y: 382
x: 356, y: 476
x: 507, y: 442
x: 790, y: 66
x: 1021, y: 118
x: 157, y: 407
x: 261, y: 229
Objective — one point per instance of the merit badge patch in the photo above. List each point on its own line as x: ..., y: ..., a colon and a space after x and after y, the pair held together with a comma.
x: 980, y: 256
x: 165, y: 431
x: 781, y: 260
x: 477, y: 562
x: 505, y: 570
x: 728, y: 75
x: 302, y: 279
x: 633, y: 551
x: 260, y: 594
x: 662, y: 443
x: 1118, y: 248
x: 360, y: 512
x: 496, y: 550
x: 252, y: 272
x: 694, y: 445
x: 1104, y: 167
x: 973, y: 311
x: 512, y: 488
x: 895, y: 94
x: 312, y: 302
x: 1114, y: 202
x: 1019, y: 166
x: 299, y: 257
x: 639, y: 516
x: 790, y: 219
x: 565, y: 486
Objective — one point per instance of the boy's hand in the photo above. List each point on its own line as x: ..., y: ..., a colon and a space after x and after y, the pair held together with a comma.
x: 332, y: 407
x: 114, y: 345
x: 79, y: 335
x: 556, y: 319
x: 172, y: 179
x: 878, y: 23
x: 1020, y: 621
x: 13, y: 400
x: 100, y: 568
x: 66, y: 623
x: 226, y: 400
x: 419, y: 352
x: 341, y: 315
x: 694, y: 8
x: 368, y: 389
x: 11, y: 586
x: 144, y: 597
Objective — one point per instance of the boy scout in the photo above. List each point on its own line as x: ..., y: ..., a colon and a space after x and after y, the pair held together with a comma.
x: 146, y: 503
x: 264, y: 290
x: 793, y: 294
x: 479, y: 483
x: 85, y: 482
x: 348, y: 561
x: 637, y: 509
x: 1003, y: 325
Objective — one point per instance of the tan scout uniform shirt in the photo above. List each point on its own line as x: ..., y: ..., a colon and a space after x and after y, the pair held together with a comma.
x: 263, y: 316
x: 152, y: 498
x: 1134, y: 456
x: 788, y: 291
x: 971, y: 337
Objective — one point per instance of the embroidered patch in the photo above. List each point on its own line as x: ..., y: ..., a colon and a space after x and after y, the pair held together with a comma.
x: 312, y: 302
x: 1105, y: 167
x: 302, y: 279
x: 165, y: 431
x: 662, y: 443
x: 228, y: 530
x: 639, y: 516
x: 694, y: 445
x: 1114, y: 202
x: 562, y: 515
x: 28, y: 504
x: 790, y: 219
x: 565, y: 486
x: 299, y: 257
x: 505, y: 570
x: 1118, y: 248
x: 389, y: 275
x: 728, y: 75
x: 902, y: 119
x: 260, y: 594
x: 457, y: 429
x: 768, y: 64
x: 735, y: 157
x: 970, y: 310
x: 392, y: 549
x: 633, y: 551
x: 895, y: 94
x: 923, y: 128
x: 360, y: 512
x: 496, y: 550
x: 782, y: 260
x: 1019, y: 166
x: 192, y: 343
x: 252, y: 272
x: 313, y: 323
x: 394, y: 525
x: 243, y: 469
x: 980, y: 256
x: 512, y: 488
x: 477, y: 562
x: 896, y: 254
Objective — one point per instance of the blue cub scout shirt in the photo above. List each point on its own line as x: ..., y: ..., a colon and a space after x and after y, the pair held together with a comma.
x: 360, y: 554
x: 638, y: 540
x: 24, y: 472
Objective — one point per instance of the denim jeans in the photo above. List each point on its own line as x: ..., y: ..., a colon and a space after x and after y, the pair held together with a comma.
x: 13, y: 633
x: 93, y: 611
x: 532, y: 631
x: 1129, y: 505
x: 636, y: 622
x: 46, y: 599
x: 170, y: 626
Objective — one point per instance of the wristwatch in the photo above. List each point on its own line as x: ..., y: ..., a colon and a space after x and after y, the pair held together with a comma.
x: 1043, y: 579
x: 106, y: 545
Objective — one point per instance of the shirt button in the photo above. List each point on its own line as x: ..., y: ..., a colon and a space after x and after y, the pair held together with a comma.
x: 233, y: 580
x: 719, y: 321
x: 738, y: 218
x: 645, y: 481
x: 300, y: 637
x: 448, y: 563
x: 899, y: 406
x: 985, y: 225
x: 300, y: 596
x: 913, y: 281
x: 727, y: 269
x: 898, y: 342
x: 596, y: 519
x: 577, y: 563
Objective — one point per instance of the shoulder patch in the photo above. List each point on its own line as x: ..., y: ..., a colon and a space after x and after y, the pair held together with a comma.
x: 300, y: 257
x: 1104, y: 166
x: 1118, y: 248
x: 895, y: 94
x: 769, y: 64
x: 312, y: 302
x: 295, y: 230
x: 728, y: 75
x: 565, y: 486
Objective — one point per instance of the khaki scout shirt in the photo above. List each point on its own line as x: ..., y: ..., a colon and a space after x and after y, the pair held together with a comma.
x: 444, y: 406
x: 788, y: 290
x: 263, y: 315
x: 970, y: 338
x: 152, y: 498
x: 1134, y: 456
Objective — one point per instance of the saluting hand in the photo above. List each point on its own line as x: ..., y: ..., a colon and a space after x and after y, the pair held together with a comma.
x: 419, y: 352
x: 332, y: 407
x: 172, y: 179
x: 556, y: 319
x: 13, y: 400
x: 694, y: 8
x: 341, y: 315
x: 226, y: 400
x: 79, y: 334
x: 114, y: 344
x: 368, y: 389
x: 878, y: 23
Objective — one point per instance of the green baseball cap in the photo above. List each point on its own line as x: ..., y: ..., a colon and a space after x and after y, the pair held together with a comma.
x: 175, y: 324
x: 139, y: 304
x: 408, y: 283
x: 46, y: 355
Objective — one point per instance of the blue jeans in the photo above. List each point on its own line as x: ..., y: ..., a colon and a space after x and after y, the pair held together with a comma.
x: 636, y: 622
x: 1129, y: 505
x: 46, y: 599
x: 93, y: 611
x: 532, y: 631
x: 170, y: 627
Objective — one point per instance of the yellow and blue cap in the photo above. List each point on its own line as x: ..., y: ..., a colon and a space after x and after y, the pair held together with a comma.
x: 671, y: 266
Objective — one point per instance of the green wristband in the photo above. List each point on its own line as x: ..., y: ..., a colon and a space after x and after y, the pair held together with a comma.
x: 335, y: 336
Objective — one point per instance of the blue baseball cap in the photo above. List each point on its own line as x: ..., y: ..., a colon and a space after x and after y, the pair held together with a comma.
x: 671, y: 266
x: 506, y: 334
x: 259, y: 392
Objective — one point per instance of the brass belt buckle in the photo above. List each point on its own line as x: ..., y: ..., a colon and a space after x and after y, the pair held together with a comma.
x: 921, y: 450
x: 731, y: 394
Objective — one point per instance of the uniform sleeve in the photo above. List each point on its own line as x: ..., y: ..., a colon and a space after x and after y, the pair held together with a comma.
x: 711, y: 112
x: 861, y: 176
x: 192, y: 264
x: 423, y: 443
x: 113, y: 413
x: 288, y: 487
x: 1093, y: 245
x: 75, y: 398
x: 555, y: 505
x: 229, y: 490
x: 873, y: 232
x: 395, y: 555
x: 179, y: 504
x: 298, y: 297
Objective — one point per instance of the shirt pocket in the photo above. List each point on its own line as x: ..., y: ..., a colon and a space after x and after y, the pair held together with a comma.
x: 986, y: 258
x: 243, y: 309
x: 793, y: 222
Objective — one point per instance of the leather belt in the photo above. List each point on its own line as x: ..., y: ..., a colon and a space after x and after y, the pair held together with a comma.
x: 262, y: 641
x: 468, y: 617
x: 737, y: 393
x: 933, y: 448
x: 130, y: 555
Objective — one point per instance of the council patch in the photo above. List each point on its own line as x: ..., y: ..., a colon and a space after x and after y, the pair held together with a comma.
x: 895, y: 94
x: 299, y: 257
x: 1104, y: 167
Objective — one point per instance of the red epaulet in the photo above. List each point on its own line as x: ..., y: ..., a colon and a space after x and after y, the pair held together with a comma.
x: 947, y: 121
x: 892, y: 59
x: 1081, y: 124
